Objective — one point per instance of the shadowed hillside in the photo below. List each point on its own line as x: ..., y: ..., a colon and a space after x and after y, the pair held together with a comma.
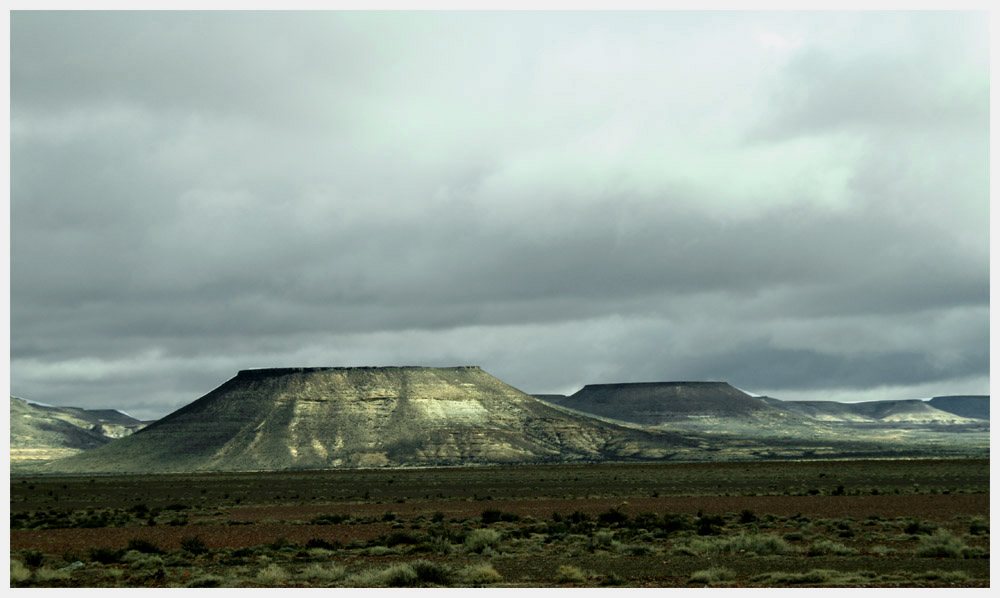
x: 972, y: 406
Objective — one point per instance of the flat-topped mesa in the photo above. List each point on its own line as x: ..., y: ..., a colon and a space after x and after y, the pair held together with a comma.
x: 260, y: 373
x: 329, y: 417
x: 655, y: 403
x: 701, y: 384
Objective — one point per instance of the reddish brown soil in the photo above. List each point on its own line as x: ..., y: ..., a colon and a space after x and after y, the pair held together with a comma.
x: 930, y: 506
x: 275, y: 522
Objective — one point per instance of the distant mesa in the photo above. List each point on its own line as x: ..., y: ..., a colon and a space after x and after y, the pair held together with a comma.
x: 658, y: 403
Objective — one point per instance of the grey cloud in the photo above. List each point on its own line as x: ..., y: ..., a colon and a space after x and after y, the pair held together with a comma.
x: 211, y: 191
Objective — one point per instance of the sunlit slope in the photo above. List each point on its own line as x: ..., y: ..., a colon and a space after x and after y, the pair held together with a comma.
x: 886, y: 412
x: 368, y: 417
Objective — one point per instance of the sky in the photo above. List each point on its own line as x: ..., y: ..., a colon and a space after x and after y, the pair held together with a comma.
x: 794, y: 203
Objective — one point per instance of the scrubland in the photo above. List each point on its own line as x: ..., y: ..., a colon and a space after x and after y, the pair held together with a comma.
x: 777, y: 524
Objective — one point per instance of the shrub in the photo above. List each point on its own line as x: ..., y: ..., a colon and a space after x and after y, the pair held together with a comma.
x: 600, y: 540
x: 206, y: 581
x: 713, y: 575
x: 33, y: 558
x: 479, y: 540
x: 919, y: 527
x: 490, y: 516
x: 612, y: 517
x: 151, y: 562
x: 106, y: 556
x: 272, y: 575
x: 746, y: 516
x: 435, y: 573
x: 757, y: 543
x: 945, y: 576
x: 814, y: 576
x: 324, y: 572
x: 194, y: 545
x: 613, y: 579
x: 18, y: 572
x: 761, y: 544
x: 673, y: 522
x: 144, y: 546
x: 709, y: 525
x: 401, y: 575
x: 943, y: 544
x: 480, y: 574
x: 328, y: 519
x: 46, y: 574
x: 320, y: 543
x: 819, y: 547
x: 281, y: 544
x: 979, y: 527
x: 570, y: 574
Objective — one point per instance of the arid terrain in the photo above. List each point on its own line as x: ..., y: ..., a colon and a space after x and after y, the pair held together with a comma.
x: 893, y: 523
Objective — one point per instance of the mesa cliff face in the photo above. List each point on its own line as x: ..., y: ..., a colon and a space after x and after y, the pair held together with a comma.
x: 309, y: 418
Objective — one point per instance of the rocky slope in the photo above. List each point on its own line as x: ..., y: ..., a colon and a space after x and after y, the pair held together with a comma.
x: 368, y: 417
x: 42, y: 432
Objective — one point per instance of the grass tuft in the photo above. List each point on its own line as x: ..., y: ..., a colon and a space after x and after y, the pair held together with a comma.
x: 479, y: 540
x: 479, y: 575
x: 713, y: 575
x: 18, y: 572
x: 272, y: 575
x: 570, y: 574
x: 819, y: 547
x: 943, y: 544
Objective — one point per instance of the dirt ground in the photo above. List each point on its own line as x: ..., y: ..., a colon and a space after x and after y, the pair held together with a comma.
x: 871, y: 521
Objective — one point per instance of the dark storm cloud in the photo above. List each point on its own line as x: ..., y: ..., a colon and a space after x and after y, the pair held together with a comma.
x: 562, y: 202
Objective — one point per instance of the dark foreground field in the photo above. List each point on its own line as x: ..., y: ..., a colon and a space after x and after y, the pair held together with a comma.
x: 851, y: 523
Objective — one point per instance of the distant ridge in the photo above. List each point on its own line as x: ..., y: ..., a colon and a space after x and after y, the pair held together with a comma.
x: 913, y: 411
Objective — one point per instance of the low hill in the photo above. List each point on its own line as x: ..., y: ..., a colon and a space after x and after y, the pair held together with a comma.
x: 43, y: 432
x: 971, y: 406
x: 915, y: 412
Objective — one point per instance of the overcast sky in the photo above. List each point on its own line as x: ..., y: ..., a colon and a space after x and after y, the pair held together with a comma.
x: 794, y: 203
